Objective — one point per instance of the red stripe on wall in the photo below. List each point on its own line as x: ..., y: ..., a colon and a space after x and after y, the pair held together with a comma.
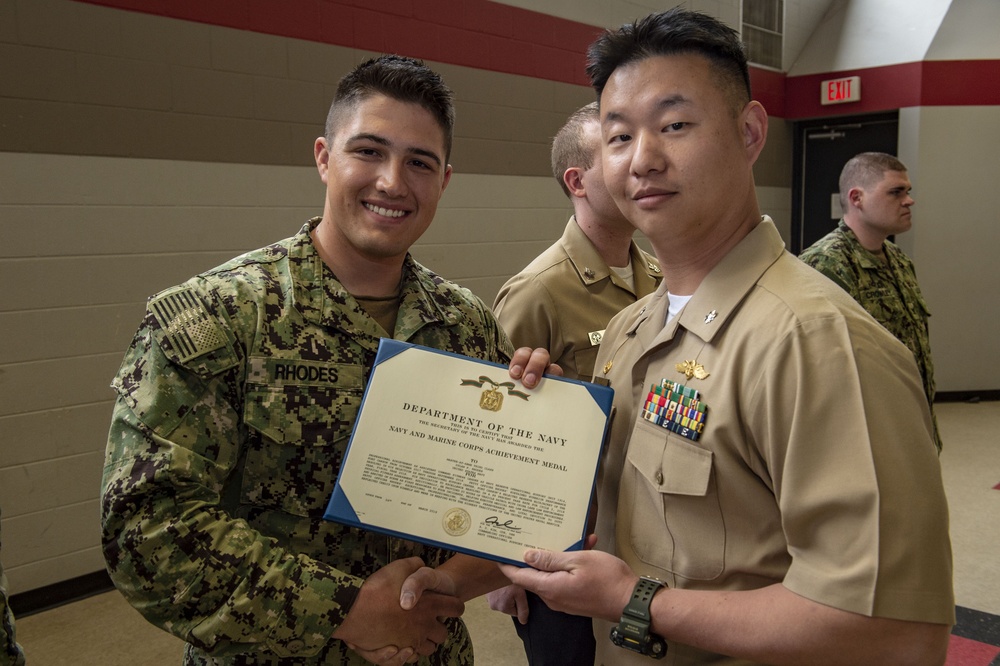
x: 961, y: 83
x: 497, y: 37
x: 473, y: 33
x: 768, y: 88
x: 882, y: 89
x: 930, y: 83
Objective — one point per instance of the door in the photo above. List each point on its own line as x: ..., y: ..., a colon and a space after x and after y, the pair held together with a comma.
x: 822, y: 147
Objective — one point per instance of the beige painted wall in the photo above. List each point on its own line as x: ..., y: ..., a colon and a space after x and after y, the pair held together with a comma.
x: 136, y: 151
x: 83, y: 252
x: 86, y: 249
x: 951, y: 156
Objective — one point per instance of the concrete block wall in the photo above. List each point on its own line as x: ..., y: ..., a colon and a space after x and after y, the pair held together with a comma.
x: 138, y: 148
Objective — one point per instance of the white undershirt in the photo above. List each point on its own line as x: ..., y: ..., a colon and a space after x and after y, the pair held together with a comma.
x: 676, y: 304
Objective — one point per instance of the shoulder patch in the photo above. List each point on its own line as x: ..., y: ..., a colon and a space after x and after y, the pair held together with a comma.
x: 187, y: 327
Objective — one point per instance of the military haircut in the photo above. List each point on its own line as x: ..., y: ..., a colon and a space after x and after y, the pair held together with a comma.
x: 676, y: 31
x: 400, y: 78
x: 570, y: 147
x: 864, y: 170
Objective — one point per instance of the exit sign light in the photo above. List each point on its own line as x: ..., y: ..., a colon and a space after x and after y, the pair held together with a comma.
x: 838, y: 91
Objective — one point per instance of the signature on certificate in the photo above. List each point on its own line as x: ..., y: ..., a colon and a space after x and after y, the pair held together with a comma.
x: 507, y: 524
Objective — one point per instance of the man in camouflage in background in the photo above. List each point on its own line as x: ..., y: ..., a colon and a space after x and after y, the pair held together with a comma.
x: 875, y: 197
x: 239, y: 392
x: 11, y: 653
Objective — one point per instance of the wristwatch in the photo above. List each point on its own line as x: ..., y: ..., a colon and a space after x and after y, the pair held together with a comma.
x: 632, y: 632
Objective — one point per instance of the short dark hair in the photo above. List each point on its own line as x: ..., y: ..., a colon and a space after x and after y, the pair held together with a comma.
x: 570, y: 147
x: 672, y: 32
x: 865, y: 170
x: 401, y: 78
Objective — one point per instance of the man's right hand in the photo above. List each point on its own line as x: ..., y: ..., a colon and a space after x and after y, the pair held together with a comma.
x: 376, y: 619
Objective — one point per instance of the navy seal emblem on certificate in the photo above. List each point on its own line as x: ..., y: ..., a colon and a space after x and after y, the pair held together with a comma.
x: 449, y: 451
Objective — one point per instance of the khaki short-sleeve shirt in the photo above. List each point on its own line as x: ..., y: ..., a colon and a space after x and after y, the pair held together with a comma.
x: 565, y: 297
x: 816, y: 467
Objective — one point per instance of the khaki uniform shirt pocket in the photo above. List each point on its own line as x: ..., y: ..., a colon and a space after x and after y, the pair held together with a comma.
x: 676, y: 520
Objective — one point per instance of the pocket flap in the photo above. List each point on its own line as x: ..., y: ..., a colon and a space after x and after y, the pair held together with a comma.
x: 669, y: 462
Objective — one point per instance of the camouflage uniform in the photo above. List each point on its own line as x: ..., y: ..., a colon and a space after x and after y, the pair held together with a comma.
x: 235, y: 402
x: 11, y: 653
x: 887, y: 290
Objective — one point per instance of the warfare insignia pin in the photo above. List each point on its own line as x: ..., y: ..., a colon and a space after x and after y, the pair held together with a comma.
x: 692, y: 369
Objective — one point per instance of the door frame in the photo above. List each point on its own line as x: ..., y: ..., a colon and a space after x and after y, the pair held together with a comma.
x: 799, y: 130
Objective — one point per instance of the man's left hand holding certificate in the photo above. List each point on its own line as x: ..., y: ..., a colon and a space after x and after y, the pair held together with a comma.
x: 449, y: 451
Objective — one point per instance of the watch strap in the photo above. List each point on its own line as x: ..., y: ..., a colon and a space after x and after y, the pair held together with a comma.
x: 632, y: 632
x: 642, y: 598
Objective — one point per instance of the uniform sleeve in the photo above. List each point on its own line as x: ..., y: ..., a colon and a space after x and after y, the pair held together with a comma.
x: 835, y: 267
x: 10, y: 652
x: 527, y: 312
x: 174, y: 447
x: 840, y: 416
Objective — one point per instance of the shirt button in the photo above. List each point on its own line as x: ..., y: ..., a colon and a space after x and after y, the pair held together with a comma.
x: 659, y: 478
x: 296, y: 646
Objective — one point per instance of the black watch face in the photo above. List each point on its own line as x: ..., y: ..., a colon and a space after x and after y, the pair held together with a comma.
x: 650, y: 645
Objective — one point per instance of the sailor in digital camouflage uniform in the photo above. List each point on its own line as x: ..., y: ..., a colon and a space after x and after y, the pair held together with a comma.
x: 857, y: 255
x: 240, y: 389
x: 11, y: 653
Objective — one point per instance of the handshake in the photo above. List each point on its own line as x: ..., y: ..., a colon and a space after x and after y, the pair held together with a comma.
x: 401, y: 612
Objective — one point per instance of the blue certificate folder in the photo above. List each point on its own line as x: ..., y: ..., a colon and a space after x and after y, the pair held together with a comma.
x: 450, y: 451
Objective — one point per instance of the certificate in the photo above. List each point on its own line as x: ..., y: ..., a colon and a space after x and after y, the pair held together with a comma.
x: 449, y: 451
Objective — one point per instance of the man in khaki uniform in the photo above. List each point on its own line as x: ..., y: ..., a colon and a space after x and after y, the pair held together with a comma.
x: 563, y: 299
x: 761, y: 498
x: 561, y: 302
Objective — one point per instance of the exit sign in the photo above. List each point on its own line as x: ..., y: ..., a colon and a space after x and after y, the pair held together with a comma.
x: 838, y: 91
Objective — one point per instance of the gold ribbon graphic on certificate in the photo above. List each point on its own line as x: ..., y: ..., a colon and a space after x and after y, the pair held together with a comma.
x: 492, y: 398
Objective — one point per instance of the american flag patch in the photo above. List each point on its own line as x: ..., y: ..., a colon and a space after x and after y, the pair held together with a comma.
x: 187, y: 326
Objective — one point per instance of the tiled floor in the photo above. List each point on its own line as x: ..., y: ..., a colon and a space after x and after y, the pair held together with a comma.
x: 104, y: 630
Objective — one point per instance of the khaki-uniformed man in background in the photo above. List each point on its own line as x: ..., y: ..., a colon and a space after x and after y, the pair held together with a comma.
x: 561, y: 302
x: 565, y: 297
x: 857, y: 255
x: 770, y: 465
x: 240, y: 389
x: 11, y: 653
